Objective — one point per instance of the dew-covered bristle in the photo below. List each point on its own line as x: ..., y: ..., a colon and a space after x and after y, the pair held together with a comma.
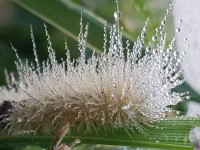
x: 113, y: 88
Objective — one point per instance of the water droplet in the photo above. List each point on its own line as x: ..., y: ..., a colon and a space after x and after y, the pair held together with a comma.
x: 143, y: 35
x: 117, y: 15
x: 180, y: 21
x: 161, y: 32
x: 154, y: 38
x: 169, y: 50
x: 112, y: 95
x: 178, y: 112
x: 157, y: 30
x: 127, y: 106
x: 175, y: 54
x: 185, y: 39
x: 163, y: 22
x: 157, y: 141
x: 187, y: 97
x: 178, y: 29
x: 116, y: 46
x: 155, y: 51
x: 170, y: 6
x: 148, y: 49
x: 19, y: 119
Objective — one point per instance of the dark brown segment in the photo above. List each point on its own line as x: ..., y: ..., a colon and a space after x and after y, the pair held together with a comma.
x: 5, y: 111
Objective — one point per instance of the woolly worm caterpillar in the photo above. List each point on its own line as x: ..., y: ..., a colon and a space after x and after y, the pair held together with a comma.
x: 115, y: 89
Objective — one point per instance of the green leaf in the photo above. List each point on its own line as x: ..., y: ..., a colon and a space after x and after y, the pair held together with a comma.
x: 172, y: 133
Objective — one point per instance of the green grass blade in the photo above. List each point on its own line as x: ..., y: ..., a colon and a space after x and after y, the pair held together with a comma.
x: 169, y: 134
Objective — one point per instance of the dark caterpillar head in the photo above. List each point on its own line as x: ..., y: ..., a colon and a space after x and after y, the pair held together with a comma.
x: 5, y: 112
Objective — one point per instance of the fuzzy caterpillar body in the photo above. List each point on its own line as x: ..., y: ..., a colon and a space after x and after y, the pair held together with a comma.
x: 109, y: 89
